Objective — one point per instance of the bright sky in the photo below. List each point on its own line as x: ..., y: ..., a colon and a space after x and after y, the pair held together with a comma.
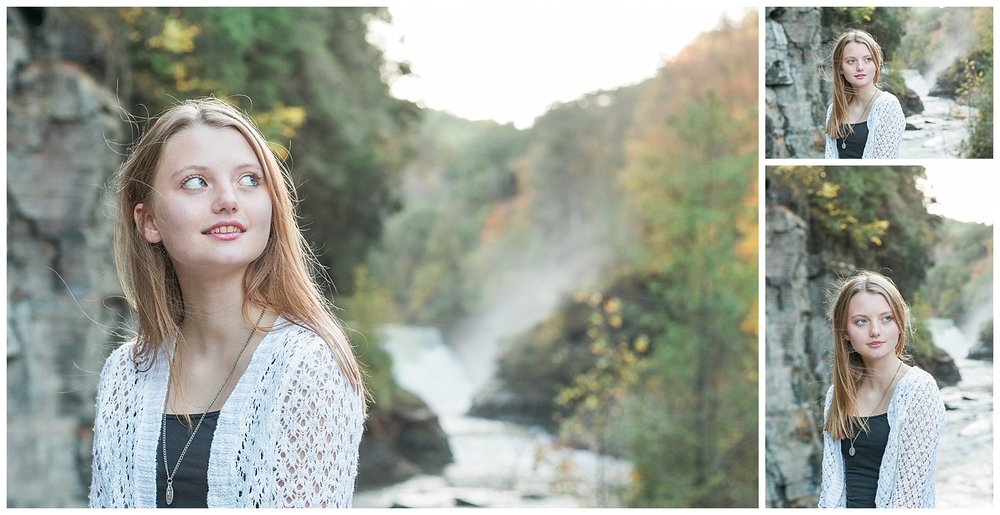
x: 964, y: 190
x: 510, y: 61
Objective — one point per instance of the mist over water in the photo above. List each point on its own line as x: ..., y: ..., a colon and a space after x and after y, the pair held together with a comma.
x: 521, y: 298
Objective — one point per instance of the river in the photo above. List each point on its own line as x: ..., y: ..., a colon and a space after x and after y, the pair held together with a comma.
x: 941, y: 130
x: 965, y: 455
x: 497, y: 464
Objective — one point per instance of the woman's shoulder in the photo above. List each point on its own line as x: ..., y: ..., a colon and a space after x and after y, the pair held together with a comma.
x: 917, y: 376
x: 121, y: 358
x: 887, y: 99
x: 299, y: 342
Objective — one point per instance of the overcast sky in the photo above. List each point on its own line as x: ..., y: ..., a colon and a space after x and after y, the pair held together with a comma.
x: 510, y: 61
x: 965, y: 190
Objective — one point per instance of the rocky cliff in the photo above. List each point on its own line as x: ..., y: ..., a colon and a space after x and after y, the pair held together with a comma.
x: 797, y: 342
x: 795, y: 96
x: 62, y: 294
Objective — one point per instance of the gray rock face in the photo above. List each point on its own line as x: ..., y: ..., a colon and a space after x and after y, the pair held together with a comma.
x: 796, y: 380
x: 795, y: 97
x: 62, y: 293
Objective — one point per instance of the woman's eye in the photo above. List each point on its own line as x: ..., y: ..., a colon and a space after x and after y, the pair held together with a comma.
x: 194, y: 182
x: 887, y: 318
x: 860, y: 321
x: 250, y: 180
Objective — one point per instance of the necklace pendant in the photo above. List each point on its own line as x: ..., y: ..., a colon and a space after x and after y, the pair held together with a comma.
x: 170, y: 488
x: 843, y: 145
x: 849, y: 451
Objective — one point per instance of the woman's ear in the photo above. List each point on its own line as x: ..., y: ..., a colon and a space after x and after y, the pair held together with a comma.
x: 145, y: 223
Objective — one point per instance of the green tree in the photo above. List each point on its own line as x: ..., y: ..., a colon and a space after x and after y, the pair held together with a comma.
x: 692, y: 177
x: 874, y: 215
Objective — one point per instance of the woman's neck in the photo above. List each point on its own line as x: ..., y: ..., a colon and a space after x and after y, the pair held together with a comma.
x: 864, y: 95
x: 883, y: 372
x: 214, y: 325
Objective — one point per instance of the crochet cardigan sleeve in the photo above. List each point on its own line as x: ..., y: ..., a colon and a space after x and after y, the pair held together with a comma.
x: 294, y: 440
x: 830, y: 151
x: 921, y: 421
x: 886, y: 124
x: 321, y: 424
x: 117, y: 419
x: 832, y: 491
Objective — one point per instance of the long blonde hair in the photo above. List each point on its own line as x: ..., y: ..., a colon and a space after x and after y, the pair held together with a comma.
x: 281, y: 278
x: 848, y: 367
x: 838, y: 126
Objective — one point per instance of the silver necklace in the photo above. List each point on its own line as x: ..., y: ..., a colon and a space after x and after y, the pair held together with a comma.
x: 843, y: 143
x: 887, y: 388
x: 169, y: 491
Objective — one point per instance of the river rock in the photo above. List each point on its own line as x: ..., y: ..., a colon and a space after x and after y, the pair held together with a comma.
x: 941, y: 366
x: 499, y: 401
x: 983, y: 349
x: 401, y: 443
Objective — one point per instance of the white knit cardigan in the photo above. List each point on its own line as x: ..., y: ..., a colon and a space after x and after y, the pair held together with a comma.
x: 906, y: 477
x: 886, y: 124
x: 287, y: 436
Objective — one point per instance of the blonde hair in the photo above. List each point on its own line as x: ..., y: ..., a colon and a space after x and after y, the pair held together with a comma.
x: 848, y: 367
x: 838, y: 126
x: 281, y: 278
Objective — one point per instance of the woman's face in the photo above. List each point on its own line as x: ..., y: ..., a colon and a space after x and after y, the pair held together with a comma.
x: 857, y: 65
x: 872, y: 328
x: 211, y: 208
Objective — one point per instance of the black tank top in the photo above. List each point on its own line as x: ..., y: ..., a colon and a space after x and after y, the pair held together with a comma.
x: 855, y: 143
x: 191, y: 480
x: 861, y: 470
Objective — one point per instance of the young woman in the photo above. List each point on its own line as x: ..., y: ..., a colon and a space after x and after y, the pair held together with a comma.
x: 863, y: 121
x: 239, y: 388
x: 883, y: 417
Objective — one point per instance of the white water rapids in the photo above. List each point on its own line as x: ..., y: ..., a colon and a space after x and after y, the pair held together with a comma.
x: 941, y: 130
x: 497, y: 464
x: 965, y: 455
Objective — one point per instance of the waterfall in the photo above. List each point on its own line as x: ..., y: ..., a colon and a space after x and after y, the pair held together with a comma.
x: 497, y: 464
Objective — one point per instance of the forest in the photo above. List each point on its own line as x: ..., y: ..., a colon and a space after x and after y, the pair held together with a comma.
x: 635, y: 209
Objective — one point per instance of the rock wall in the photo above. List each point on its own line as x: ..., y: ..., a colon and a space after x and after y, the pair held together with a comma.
x: 61, y: 286
x: 797, y: 343
x: 795, y: 95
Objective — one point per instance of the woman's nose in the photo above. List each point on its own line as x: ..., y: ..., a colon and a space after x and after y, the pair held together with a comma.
x: 225, y: 199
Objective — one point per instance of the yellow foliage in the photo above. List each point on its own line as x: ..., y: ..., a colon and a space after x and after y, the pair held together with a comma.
x: 177, y: 37
x: 828, y: 190
x: 642, y: 344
